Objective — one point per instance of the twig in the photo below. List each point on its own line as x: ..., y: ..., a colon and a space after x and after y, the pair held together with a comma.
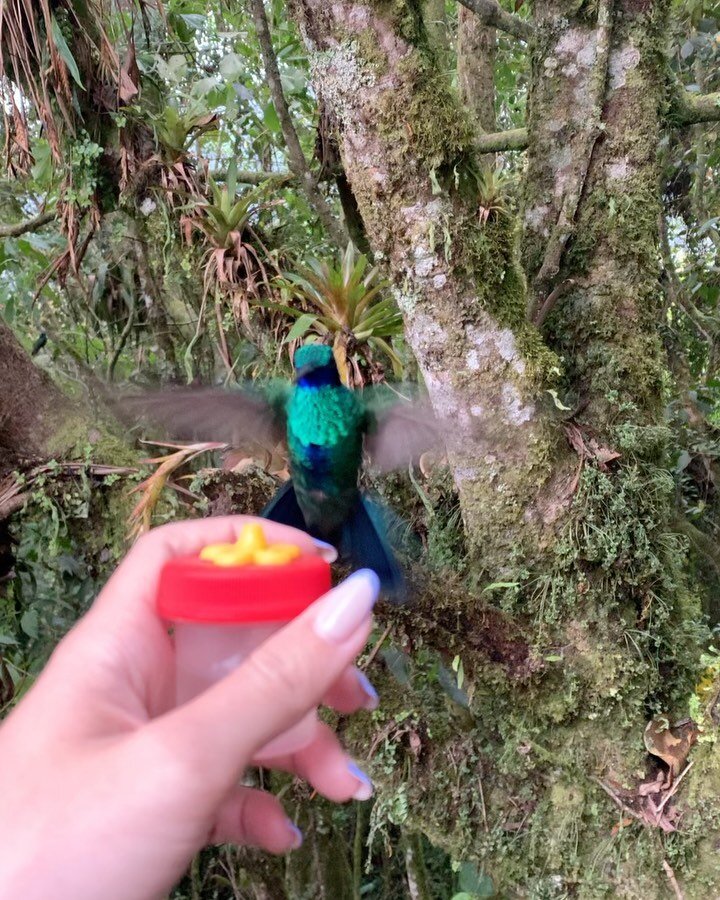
x: 246, y: 176
x: 8, y: 507
x: 618, y: 800
x: 565, y: 224
x: 482, y: 803
x: 121, y: 342
x: 693, y: 109
x: 550, y: 301
x: 673, y: 880
x: 676, y: 289
x: 498, y: 141
x: 376, y: 649
x: 492, y: 14
x: 296, y: 158
x: 674, y: 788
x: 20, y: 228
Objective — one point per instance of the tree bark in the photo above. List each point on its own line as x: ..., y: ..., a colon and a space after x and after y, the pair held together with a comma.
x: 581, y: 543
x: 408, y: 153
x: 476, y: 52
x: 31, y: 406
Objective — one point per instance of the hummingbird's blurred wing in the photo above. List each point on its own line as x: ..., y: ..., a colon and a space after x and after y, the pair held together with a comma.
x: 235, y: 417
x: 399, y: 430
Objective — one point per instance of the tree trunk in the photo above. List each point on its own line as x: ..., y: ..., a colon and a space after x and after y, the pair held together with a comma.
x: 31, y: 406
x: 407, y: 151
x: 580, y: 543
x: 38, y: 420
x: 476, y: 52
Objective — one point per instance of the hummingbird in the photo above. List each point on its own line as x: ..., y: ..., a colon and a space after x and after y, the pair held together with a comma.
x: 331, y: 432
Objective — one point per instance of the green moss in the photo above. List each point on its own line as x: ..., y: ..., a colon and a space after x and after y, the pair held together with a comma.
x: 77, y: 438
x: 69, y: 537
x: 422, y: 120
x: 406, y: 19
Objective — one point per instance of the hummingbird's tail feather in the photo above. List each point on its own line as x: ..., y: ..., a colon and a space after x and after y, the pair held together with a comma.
x: 284, y: 508
x: 364, y: 544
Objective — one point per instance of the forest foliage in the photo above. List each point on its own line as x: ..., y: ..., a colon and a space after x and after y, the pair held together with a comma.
x: 176, y: 208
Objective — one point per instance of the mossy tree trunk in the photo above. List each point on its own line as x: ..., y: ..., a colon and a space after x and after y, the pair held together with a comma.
x: 408, y: 152
x: 573, y: 517
x: 31, y: 406
x: 476, y: 53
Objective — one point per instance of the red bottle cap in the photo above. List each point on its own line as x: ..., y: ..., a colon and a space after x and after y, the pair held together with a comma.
x: 196, y: 590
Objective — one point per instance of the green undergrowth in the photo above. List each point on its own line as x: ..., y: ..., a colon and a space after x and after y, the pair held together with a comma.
x: 495, y: 755
x: 502, y: 703
x: 66, y: 541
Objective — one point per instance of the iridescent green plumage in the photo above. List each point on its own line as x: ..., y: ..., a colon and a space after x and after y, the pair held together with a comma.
x: 328, y: 429
x: 325, y: 429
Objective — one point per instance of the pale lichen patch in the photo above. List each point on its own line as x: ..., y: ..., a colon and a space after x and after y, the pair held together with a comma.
x: 622, y: 61
x: 536, y: 218
x: 515, y: 410
x: 619, y: 169
x: 341, y: 74
x: 489, y: 343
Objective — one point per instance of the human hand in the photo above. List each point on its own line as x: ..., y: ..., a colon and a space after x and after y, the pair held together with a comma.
x: 109, y: 791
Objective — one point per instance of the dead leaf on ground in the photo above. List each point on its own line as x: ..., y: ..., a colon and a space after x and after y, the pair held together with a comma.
x: 671, y: 743
x: 589, y: 448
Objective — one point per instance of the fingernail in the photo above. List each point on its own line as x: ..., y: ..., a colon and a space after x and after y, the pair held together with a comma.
x: 364, y: 790
x: 327, y: 551
x: 297, y: 835
x: 373, y: 701
x: 345, y: 608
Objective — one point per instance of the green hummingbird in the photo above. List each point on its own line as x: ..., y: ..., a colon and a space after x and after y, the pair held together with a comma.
x: 329, y: 431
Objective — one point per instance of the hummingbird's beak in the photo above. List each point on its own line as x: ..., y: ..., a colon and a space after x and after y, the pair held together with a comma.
x: 303, y: 371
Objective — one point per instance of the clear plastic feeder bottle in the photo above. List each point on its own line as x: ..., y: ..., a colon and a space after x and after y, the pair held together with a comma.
x: 226, y: 602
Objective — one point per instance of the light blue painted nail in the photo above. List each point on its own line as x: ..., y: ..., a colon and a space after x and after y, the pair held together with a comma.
x: 373, y: 700
x: 365, y: 787
x: 368, y: 576
x: 298, y: 835
x: 327, y: 551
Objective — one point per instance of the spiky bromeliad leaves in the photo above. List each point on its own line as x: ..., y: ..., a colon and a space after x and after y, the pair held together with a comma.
x: 346, y: 302
x: 232, y: 262
x: 328, y: 428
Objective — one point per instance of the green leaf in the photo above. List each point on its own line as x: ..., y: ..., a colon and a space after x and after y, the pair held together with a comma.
x: 194, y: 20
x: 474, y: 882
x: 6, y: 640
x: 203, y: 87
x: 231, y: 67
x: 270, y: 117
x: 65, y: 53
x: 501, y: 585
x: 29, y: 623
x: 42, y: 170
x: 301, y: 325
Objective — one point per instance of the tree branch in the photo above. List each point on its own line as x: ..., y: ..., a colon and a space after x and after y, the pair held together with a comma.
x: 246, y: 176
x: 491, y: 13
x: 20, y: 228
x: 565, y: 224
x: 296, y: 158
x: 704, y: 324
x: 498, y: 141
x: 693, y: 109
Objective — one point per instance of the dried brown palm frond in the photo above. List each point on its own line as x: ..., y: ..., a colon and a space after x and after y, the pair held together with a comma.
x: 57, y: 57
x: 151, y: 489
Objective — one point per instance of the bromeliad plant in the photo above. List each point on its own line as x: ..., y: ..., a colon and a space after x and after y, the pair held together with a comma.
x: 235, y: 260
x: 344, y: 302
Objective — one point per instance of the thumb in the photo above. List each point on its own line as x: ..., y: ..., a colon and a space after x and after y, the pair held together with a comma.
x: 276, y: 686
